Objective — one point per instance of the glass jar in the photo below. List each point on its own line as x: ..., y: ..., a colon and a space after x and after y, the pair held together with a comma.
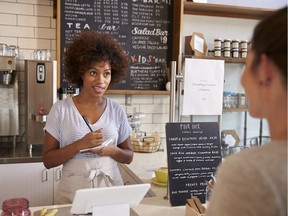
x: 235, y: 44
x: 243, y: 53
x: 4, y: 49
x: 217, y: 52
x: 227, y: 52
x: 235, y: 53
x: 217, y: 43
x: 227, y: 43
x: 244, y: 44
x: 16, y: 207
x: 211, y: 53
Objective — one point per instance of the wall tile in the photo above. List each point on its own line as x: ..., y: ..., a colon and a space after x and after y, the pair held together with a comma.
x: 39, y: 2
x: 33, y: 43
x: 154, y: 108
x: 161, y: 99
x: 43, y: 10
x: 142, y: 99
x: 45, y: 33
x: 16, y: 8
x: 8, y: 19
x: 33, y: 21
x: 16, y: 31
x: 8, y: 40
x: 160, y: 118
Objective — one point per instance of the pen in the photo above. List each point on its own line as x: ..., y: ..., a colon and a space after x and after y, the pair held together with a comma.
x: 87, y: 122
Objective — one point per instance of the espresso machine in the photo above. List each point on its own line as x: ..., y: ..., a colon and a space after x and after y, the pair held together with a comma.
x: 9, y: 107
x: 41, y: 94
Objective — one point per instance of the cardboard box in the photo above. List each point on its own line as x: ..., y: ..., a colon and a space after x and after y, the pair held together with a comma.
x: 195, y: 45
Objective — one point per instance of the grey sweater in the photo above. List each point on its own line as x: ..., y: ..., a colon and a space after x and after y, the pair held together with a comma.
x: 252, y: 183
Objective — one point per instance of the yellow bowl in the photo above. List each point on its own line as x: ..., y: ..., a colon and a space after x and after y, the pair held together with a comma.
x: 161, y: 174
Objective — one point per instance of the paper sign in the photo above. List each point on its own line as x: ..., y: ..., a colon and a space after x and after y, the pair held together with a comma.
x: 203, y: 87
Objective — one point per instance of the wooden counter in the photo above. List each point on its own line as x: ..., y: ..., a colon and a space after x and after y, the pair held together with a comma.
x: 152, y: 206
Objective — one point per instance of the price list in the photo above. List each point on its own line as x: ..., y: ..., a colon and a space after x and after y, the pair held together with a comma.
x: 142, y: 27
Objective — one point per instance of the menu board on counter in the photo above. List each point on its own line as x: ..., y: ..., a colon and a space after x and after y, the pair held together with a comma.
x: 142, y: 27
x: 193, y: 153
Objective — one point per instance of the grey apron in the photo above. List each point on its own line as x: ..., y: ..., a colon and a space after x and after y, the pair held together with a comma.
x: 87, y: 173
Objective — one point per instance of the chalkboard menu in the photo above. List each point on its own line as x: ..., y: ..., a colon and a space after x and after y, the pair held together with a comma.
x: 142, y: 27
x: 194, y: 153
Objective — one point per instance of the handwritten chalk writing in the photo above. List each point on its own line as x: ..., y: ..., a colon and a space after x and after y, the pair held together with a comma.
x: 189, y: 138
x: 78, y: 25
x: 191, y: 184
x: 185, y: 126
x: 198, y: 155
x: 108, y: 27
x: 141, y: 27
x: 145, y: 31
x: 141, y: 59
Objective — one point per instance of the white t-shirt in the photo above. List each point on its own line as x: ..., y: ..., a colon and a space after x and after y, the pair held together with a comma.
x: 66, y: 124
x: 252, y: 183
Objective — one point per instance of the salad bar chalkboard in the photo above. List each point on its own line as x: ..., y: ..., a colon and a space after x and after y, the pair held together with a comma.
x: 194, y: 153
x: 143, y: 27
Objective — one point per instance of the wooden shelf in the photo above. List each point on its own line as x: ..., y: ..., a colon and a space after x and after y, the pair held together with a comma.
x: 138, y: 92
x: 226, y: 10
x: 227, y: 60
x: 235, y: 110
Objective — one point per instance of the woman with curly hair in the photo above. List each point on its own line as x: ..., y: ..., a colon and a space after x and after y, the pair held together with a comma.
x: 75, y: 125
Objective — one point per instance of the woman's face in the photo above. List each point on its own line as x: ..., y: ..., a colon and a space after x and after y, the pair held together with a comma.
x: 250, y: 82
x: 97, y: 78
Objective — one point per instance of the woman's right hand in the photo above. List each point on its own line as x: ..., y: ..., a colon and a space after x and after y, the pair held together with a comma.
x: 92, y: 139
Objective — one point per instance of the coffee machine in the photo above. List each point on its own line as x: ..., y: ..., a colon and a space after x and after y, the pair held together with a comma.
x: 41, y: 94
x: 9, y: 107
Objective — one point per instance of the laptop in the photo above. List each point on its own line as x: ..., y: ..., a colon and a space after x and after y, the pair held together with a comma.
x: 87, y: 199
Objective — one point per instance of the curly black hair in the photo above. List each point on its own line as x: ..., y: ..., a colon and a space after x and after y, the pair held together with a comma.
x: 88, y: 47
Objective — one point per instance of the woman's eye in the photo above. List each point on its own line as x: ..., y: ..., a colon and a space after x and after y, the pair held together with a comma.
x: 107, y: 74
x: 93, y: 73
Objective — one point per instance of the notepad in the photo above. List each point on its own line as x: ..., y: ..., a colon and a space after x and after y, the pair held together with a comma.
x: 105, y: 143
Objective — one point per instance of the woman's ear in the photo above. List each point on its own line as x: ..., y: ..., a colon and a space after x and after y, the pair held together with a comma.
x: 266, y: 70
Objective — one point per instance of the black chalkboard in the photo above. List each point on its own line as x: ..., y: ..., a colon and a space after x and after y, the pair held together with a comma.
x: 193, y: 153
x: 143, y: 27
